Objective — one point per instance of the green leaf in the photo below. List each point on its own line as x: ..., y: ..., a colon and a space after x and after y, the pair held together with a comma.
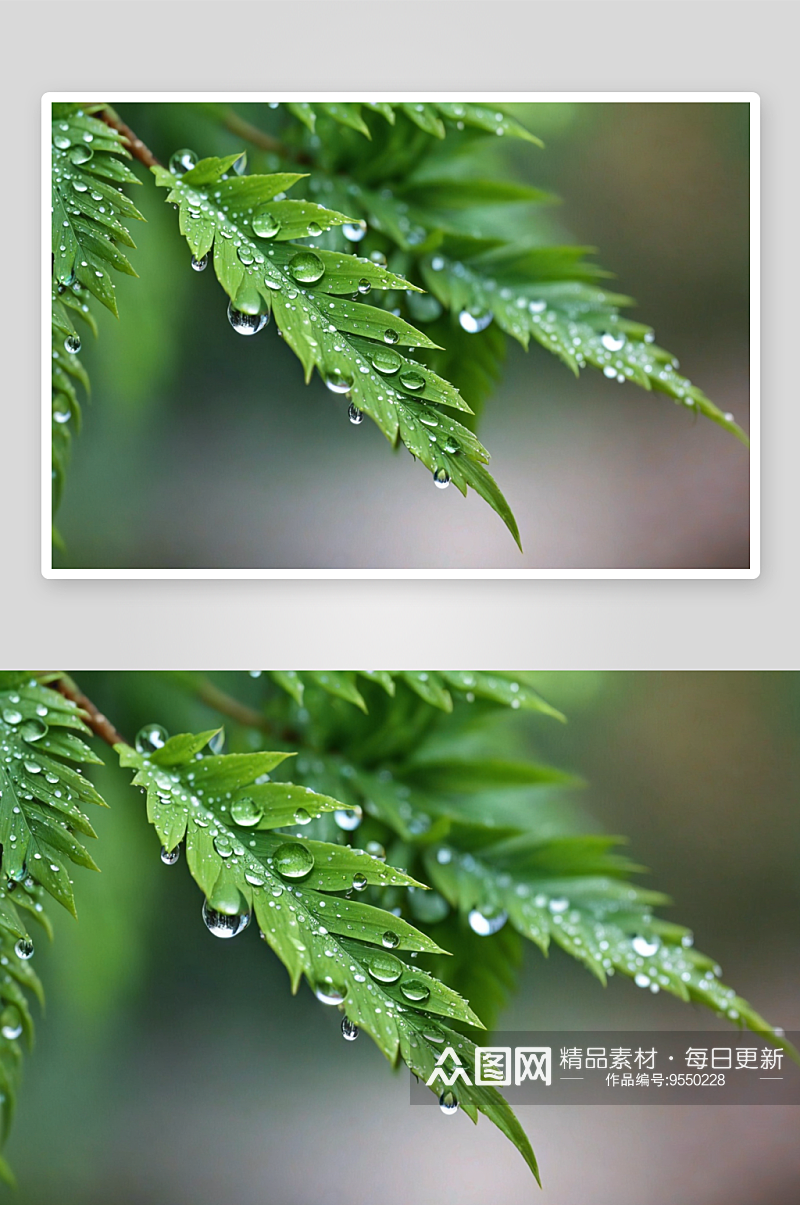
x: 351, y: 344
x: 346, y: 950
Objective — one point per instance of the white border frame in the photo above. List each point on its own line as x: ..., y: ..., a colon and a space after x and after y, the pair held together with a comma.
x: 750, y: 98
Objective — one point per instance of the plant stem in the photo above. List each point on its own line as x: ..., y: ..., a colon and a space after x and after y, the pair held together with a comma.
x: 100, y: 725
x: 135, y: 144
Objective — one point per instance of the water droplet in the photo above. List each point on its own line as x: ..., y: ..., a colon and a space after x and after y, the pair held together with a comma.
x: 364, y: 285
x: 329, y: 993
x: 10, y: 1023
x: 170, y: 856
x: 390, y: 336
x: 150, y: 738
x: 641, y: 980
x: 472, y: 323
x: 412, y: 380
x: 644, y: 947
x: 24, y: 948
x: 349, y: 1030
x: 265, y: 225
x: 390, y: 940
x: 441, y: 479
x: 182, y: 161
x: 301, y: 816
x: 347, y: 820
x: 338, y: 382
x: 199, y: 265
x: 246, y: 812
x: 385, y: 360
x: 448, y: 1103
x: 415, y: 990
x: 246, y: 324
x: 354, y: 231
x: 355, y: 415
x: 33, y: 730
x: 376, y: 850
x: 612, y: 342
x: 246, y: 254
x: 293, y: 861
x: 72, y: 344
x: 314, y: 229
x: 359, y: 882
x: 306, y: 267
x: 484, y: 925
x: 557, y: 906
x: 79, y: 186
x: 61, y: 141
x: 11, y: 715
x: 221, y: 924
x: 385, y: 968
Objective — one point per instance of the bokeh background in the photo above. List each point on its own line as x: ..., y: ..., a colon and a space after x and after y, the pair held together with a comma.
x: 204, y: 450
x: 173, y: 1067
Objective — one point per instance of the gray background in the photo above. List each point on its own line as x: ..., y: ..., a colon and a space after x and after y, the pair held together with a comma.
x: 502, y: 46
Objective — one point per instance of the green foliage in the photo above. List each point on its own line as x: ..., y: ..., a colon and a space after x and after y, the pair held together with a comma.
x: 252, y: 231
x: 89, y: 213
x: 394, y: 270
x: 234, y: 822
x: 41, y: 800
x: 390, y: 844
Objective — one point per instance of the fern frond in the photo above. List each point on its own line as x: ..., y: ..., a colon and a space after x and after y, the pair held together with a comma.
x: 230, y: 816
x: 353, y: 346
x: 89, y: 210
x: 433, y: 117
x: 41, y: 797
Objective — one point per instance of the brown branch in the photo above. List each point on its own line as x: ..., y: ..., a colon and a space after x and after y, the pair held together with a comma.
x: 220, y: 701
x: 265, y: 142
x: 99, y: 724
x: 135, y: 144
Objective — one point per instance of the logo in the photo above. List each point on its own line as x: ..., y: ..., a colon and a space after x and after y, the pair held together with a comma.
x: 494, y: 1066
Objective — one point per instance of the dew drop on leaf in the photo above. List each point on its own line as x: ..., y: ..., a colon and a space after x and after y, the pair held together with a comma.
x: 33, y: 730
x: 246, y: 324
x: 150, y: 738
x: 170, y: 856
x: 246, y: 812
x: 24, y: 948
x: 246, y: 254
x: 265, y: 225
x: 80, y: 154
x: 349, y: 1030
x: 10, y: 1023
x: 385, y: 360
x: 390, y: 940
x: 441, y: 479
x: 301, y: 816
x: 329, y: 993
x: 472, y: 322
x: 11, y: 715
x: 448, y: 1103
x: 354, y: 231
x: 345, y: 819
x: 355, y: 415
x: 415, y: 990
x: 199, y: 265
x: 61, y: 141
x: 314, y: 229
x: 293, y: 861
x: 376, y: 850
x: 182, y: 161
x: 306, y: 267
x: 385, y: 968
x: 222, y: 924
x: 338, y: 382
x: 644, y: 947
x: 484, y: 925
x: 390, y: 336
x: 612, y: 342
x: 412, y: 380
x: 364, y: 286
x: 359, y: 882
x: 72, y: 344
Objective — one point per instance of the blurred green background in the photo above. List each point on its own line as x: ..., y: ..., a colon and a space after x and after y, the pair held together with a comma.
x: 203, y: 449
x: 172, y: 1067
